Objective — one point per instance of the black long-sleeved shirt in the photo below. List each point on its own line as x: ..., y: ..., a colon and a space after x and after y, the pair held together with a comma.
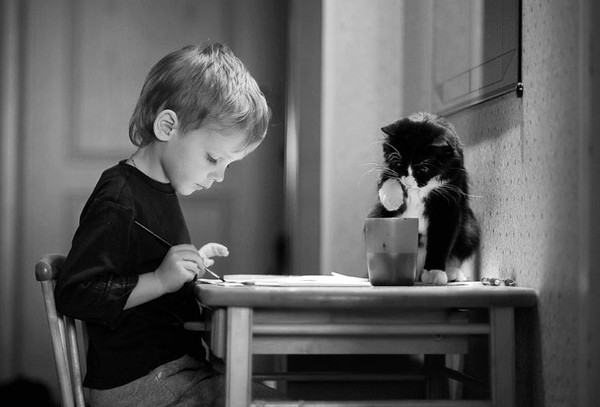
x: 108, y: 253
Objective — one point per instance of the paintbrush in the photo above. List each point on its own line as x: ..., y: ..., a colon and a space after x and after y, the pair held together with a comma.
x: 212, y: 273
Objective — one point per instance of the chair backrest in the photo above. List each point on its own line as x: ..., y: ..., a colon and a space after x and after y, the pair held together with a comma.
x: 63, y: 333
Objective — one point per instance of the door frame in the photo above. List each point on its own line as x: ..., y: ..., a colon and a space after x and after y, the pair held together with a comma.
x: 11, y: 87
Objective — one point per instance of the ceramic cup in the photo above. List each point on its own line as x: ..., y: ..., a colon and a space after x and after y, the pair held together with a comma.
x: 391, y: 245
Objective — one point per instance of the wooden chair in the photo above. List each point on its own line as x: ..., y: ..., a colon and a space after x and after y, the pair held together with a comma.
x: 63, y: 333
x: 67, y: 339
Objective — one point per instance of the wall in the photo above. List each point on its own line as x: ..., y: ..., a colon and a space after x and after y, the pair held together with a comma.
x: 9, y: 168
x: 589, y: 301
x: 524, y: 157
x: 362, y: 91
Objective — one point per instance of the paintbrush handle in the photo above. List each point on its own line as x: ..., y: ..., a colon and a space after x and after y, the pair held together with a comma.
x: 212, y: 273
x: 153, y: 234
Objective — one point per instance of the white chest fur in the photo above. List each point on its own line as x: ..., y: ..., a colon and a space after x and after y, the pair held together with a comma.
x: 415, y: 208
x: 392, y: 196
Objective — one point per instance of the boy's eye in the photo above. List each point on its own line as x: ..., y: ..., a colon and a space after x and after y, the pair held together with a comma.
x: 210, y: 159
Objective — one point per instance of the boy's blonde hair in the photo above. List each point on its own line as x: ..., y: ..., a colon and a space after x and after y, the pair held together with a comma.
x: 198, y: 84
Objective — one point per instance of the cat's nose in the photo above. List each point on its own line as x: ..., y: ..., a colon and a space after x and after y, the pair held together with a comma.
x: 409, y: 181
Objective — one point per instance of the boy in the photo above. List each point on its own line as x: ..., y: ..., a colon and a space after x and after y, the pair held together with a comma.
x: 128, y: 271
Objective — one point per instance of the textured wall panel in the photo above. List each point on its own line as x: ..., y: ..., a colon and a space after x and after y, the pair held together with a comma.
x: 523, y: 159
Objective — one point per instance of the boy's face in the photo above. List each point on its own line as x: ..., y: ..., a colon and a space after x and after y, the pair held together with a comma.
x: 193, y: 161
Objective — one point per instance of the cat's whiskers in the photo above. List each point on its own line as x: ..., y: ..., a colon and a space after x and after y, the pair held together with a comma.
x: 458, y: 169
x: 381, y: 171
x: 370, y: 163
x: 453, y: 188
x: 378, y: 167
x: 462, y: 192
x: 441, y: 191
x: 393, y: 157
x: 394, y: 148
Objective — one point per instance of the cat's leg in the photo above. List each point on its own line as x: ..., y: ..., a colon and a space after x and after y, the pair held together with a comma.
x: 391, y: 194
x: 434, y: 277
x: 441, y: 235
x: 465, y: 249
x: 421, y: 254
x: 454, y: 270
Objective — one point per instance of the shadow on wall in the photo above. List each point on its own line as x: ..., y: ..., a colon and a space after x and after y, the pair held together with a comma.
x: 530, y: 387
x: 26, y: 392
x: 490, y: 120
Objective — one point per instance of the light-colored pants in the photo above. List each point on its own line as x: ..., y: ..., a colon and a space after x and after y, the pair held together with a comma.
x: 182, y: 382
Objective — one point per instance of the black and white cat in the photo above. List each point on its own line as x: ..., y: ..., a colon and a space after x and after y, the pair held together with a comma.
x: 424, y: 177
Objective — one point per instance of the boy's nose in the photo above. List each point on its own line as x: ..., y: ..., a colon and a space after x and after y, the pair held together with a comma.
x: 218, y: 175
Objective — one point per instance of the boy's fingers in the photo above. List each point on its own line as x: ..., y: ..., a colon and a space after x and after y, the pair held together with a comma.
x: 221, y: 250
x: 192, y: 269
x: 220, y: 253
x: 183, y: 247
x: 200, y: 270
x: 214, y: 249
x: 189, y: 254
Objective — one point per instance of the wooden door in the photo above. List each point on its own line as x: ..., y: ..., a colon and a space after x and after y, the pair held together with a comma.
x: 85, y: 62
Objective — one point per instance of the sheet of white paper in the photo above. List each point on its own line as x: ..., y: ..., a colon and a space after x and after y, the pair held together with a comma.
x: 305, y: 280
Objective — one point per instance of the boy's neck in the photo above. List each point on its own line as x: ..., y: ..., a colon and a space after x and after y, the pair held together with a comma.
x: 147, y: 161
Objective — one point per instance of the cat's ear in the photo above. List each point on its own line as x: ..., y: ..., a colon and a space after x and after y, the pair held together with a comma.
x: 391, y: 129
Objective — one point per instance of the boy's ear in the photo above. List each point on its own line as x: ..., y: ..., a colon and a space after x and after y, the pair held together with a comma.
x: 165, y: 124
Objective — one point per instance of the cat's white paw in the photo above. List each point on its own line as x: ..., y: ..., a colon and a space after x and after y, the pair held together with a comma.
x: 455, y: 274
x: 391, y: 195
x: 434, y: 277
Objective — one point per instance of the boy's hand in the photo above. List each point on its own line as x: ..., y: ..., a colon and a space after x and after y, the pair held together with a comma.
x: 181, y: 264
x: 210, y: 250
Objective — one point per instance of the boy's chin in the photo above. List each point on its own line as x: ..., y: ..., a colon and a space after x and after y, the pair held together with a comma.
x: 186, y: 191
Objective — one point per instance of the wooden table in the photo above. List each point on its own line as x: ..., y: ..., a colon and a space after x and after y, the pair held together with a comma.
x: 363, y: 320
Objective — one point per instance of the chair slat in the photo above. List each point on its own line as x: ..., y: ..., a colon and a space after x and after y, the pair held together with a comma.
x: 63, y: 334
x: 59, y: 346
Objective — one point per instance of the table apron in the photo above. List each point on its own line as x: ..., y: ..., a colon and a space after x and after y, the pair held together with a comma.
x: 335, y: 334
x: 370, y: 329
x: 391, y: 345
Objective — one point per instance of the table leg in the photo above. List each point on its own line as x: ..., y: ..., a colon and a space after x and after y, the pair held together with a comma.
x: 238, y: 365
x: 436, y: 384
x: 502, y: 356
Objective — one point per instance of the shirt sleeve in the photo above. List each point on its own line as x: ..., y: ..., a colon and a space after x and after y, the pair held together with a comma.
x: 96, y: 279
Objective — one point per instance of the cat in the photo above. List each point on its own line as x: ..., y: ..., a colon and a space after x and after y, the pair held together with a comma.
x: 424, y: 177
